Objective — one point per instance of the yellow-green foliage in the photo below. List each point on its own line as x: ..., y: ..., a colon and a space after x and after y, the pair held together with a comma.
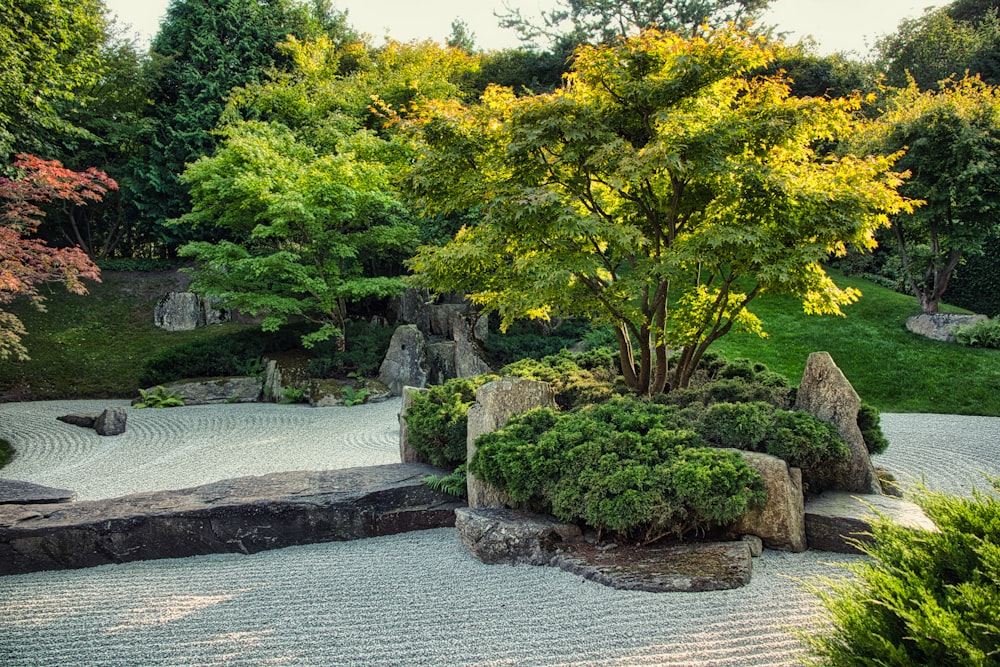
x: 922, y: 598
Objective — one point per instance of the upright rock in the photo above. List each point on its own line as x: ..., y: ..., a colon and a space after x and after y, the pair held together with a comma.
x: 496, y: 402
x: 826, y: 394
x: 111, y: 422
x: 779, y: 523
x: 179, y: 311
x: 405, y: 363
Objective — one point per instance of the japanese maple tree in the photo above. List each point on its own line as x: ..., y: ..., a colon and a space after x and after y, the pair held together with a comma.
x: 25, y: 262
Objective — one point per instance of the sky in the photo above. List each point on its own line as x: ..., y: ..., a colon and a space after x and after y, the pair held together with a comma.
x: 836, y: 25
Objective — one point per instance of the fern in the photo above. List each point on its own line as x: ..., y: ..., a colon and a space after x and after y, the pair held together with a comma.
x: 158, y: 397
x: 453, y: 484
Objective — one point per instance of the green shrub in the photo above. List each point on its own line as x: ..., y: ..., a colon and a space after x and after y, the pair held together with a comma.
x: 6, y: 452
x: 921, y: 598
x: 624, y: 466
x: 737, y: 425
x: 870, y: 424
x: 367, y: 343
x: 984, y: 333
x: 810, y: 444
x: 572, y: 383
x: 531, y: 340
x: 437, y: 420
x: 741, y: 381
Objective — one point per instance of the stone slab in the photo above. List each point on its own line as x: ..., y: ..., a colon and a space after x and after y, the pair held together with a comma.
x: 835, y: 520
x: 245, y: 515
x: 86, y: 419
x: 16, y: 492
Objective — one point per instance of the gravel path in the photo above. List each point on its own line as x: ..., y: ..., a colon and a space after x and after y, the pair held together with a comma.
x: 414, y: 599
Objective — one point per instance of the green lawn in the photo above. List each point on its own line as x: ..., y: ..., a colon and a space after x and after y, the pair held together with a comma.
x: 889, y: 367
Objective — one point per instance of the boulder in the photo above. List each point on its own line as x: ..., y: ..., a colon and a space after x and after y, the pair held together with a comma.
x: 86, y: 420
x: 826, y: 394
x: 497, y: 535
x: 411, y: 307
x: 496, y: 402
x: 837, y: 520
x: 405, y: 363
x: 780, y: 523
x: 443, y: 318
x: 218, y: 390
x: 212, y: 313
x: 330, y: 393
x: 179, y: 311
x: 15, y: 492
x: 244, y: 515
x: 941, y: 326
x: 441, y: 361
x: 111, y: 422
x: 283, y: 370
x: 469, y: 360
x: 408, y: 454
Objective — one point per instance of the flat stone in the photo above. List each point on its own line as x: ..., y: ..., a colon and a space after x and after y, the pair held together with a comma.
x: 941, y: 326
x: 16, y: 492
x: 688, y: 568
x: 498, y: 535
x: 836, y: 519
x: 86, y: 420
x: 236, y: 389
x: 244, y: 515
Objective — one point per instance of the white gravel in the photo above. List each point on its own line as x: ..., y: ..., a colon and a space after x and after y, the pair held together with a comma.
x: 413, y: 599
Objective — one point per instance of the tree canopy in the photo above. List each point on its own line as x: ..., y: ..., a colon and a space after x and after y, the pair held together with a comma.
x: 661, y: 190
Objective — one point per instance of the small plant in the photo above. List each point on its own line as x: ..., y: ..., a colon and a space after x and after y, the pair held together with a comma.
x: 870, y: 424
x: 6, y: 452
x: 354, y: 396
x: 291, y: 395
x: 453, y: 484
x: 984, y: 333
x: 158, y: 397
x: 921, y: 598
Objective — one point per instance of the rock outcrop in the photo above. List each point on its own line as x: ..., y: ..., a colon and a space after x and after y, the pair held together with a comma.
x: 941, y: 326
x: 826, y: 394
x: 244, y: 515
x: 780, y: 523
x: 217, y: 390
x: 112, y: 421
x: 837, y: 521
x: 496, y: 402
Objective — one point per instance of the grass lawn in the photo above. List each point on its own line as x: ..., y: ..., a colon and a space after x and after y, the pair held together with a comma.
x: 891, y: 368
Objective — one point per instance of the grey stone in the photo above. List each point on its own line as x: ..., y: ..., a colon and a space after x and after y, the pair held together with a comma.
x: 179, y: 311
x: 272, y: 388
x: 826, y: 394
x: 941, y: 326
x: 496, y: 402
x: 112, y: 421
x: 86, y: 420
x: 497, y: 535
x: 755, y: 543
x: 211, y: 313
x: 331, y: 393
x: 443, y: 317
x: 779, y: 523
x: 688, y: 568
x: 408, y: 454
x: 16, y: 492
x: 405, y: 363
x: 244, y: 515
x: 469, y: 360
x: 836, y: 519
x: 411, y: 307
x: 441, y: 361
x: 218, y: 390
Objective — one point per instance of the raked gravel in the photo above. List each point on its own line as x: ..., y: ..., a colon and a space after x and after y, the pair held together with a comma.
x: 412, y: 599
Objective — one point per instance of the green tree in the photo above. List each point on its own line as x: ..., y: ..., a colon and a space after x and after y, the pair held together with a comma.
x: 598, y: 21
x: 952, y: 142
x: 660, y: 190
x: 49, y: 49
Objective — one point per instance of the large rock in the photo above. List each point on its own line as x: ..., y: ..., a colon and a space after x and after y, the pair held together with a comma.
x: 405, y: 363
x: 941, y: 326
x: 218, y: 390
x: 496, y: 402
x: 780, y: 523
x: 441, y: 361
x: 185, y: 311
x: 498, y: 535
x: 469, y: 360
x: 826, y: 394
x: 112, y: 421
x: 244, y: 515
x: 836, y: 520
x: 412, y: 308
x: 408, y: 454
x: 15, y: 492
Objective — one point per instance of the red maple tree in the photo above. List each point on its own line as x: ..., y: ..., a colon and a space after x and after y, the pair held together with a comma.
x: 26, y: 263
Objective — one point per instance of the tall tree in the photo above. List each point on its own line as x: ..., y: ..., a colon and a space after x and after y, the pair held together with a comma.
x: 49, y: 49
x: 661, y: 190
x: 25, y: 262
x: 952, y: 141
x: 598, y: 21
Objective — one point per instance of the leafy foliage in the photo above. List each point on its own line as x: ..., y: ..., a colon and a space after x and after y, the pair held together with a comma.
x: 921, y: 598
x: 984, y: 333
x: 158, y: 397
x: 575, y: 379
x: 438, y: 423
x: 25, y: 262
x: 870, y: 425
x: 737, y: 425
x: 454, y: 484
x: 662, y: 165
x: 623, y: 465
x: 810, y: 444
